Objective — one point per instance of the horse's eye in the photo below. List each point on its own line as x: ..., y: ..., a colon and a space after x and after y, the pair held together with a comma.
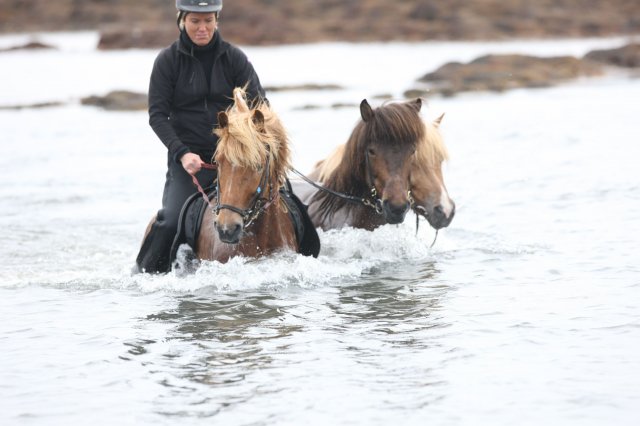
x: 372, y: 151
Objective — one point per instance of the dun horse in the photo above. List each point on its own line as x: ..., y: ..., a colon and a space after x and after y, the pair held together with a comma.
x: 429, y: 193
x: 374, y: 168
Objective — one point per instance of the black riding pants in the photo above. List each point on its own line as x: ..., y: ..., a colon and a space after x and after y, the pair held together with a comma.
x: 154, y: 256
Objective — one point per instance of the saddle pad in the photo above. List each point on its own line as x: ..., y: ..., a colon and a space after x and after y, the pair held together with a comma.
x: 190, y: 221
x: 308, y: 240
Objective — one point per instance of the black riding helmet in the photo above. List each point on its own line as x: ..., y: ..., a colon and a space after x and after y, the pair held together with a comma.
x: 198, y: 6
x: 202, y: 6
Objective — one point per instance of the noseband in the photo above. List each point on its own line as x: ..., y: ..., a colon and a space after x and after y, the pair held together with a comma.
x: 258, y: 202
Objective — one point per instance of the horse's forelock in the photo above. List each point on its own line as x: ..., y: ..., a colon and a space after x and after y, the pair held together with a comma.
x: 243, y: 144
x: 396, y: 124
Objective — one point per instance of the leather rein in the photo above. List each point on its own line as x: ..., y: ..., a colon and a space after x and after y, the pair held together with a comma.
x: 373, y: 201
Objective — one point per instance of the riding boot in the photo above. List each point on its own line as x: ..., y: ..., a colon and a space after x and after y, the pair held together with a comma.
x: 155, y: 253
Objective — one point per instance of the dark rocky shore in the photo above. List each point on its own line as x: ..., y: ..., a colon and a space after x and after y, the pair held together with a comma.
x: 498, y: 73
x: 151, y: 24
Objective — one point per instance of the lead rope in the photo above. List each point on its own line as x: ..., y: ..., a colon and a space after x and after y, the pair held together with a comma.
x: 197, y: 184
x: 346, y: 197
x: 418, y: 224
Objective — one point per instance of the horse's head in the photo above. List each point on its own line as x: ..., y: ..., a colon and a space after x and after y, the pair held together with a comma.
x: 386, y: 141
x: 427, y: 184
x: 252, y: 157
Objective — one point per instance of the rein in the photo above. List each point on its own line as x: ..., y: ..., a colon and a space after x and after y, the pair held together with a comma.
x: 197, y: 184
x: 423, y: 212
x: 375, y: 203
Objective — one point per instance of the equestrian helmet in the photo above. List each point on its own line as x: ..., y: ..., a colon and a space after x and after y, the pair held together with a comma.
x: 201, y: 6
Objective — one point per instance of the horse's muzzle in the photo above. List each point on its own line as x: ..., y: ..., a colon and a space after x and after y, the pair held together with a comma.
x: 230, y: 234
x: 439, y: 218
x: 394, y: 214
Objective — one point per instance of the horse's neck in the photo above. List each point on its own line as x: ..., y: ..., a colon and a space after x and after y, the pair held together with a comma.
x: 346, y: 178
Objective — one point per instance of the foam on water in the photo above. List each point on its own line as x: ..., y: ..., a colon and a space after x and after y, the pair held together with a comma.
x: 345, y: 256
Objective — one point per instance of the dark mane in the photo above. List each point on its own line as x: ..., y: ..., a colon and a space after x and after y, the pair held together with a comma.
x: 397, y: 125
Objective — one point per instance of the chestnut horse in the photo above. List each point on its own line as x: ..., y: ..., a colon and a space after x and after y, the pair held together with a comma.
x: 429, y: 193
x: 250, y: 217
x: 373, y: 172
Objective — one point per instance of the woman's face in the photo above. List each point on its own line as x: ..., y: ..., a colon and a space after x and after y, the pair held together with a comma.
x: 200, y: 27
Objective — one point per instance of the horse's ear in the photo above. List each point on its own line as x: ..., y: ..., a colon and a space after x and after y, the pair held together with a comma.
x: 258, y: 119
x: 223, y: 119
x: 438, y: 120
x: 417, y: 104
x: 365, y: 110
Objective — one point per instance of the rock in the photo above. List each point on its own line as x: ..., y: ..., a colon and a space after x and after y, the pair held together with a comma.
x: 502, y: 72
x: 626, y: 56
x: 340, y: 105
x: 139, y: 38
x: 300, y: 87
x: 29, y: 46
x: 383, y: 96
x: 118, y: 100
x: 268, y: 22
x: 30, y: 106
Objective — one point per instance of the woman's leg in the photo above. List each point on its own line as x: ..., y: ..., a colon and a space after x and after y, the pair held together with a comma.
x: 154, y: 255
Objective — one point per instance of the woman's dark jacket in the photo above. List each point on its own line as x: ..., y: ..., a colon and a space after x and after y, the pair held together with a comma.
x: 183, y: 108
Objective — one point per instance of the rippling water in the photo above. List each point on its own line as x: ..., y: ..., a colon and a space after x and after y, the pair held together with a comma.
x: 526, y: 310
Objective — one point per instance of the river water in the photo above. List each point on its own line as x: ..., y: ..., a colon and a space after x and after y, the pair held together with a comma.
x: 526, y: 311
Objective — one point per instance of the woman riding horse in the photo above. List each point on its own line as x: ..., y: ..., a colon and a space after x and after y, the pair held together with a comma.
x: 192, y: 80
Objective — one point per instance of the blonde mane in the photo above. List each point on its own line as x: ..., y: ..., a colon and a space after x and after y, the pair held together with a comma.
x: 433, y: 152
x: 329, y: 164
x: 246, y: 142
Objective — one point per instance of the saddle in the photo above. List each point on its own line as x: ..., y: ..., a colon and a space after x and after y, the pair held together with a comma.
x: 194, y: 210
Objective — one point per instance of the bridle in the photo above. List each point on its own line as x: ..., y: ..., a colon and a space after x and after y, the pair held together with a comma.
x: 258, y: 203
x: 373, y: 201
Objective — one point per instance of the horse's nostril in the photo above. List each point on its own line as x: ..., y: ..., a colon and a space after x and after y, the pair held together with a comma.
x: 395, y: 208
x: 394, y: 213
